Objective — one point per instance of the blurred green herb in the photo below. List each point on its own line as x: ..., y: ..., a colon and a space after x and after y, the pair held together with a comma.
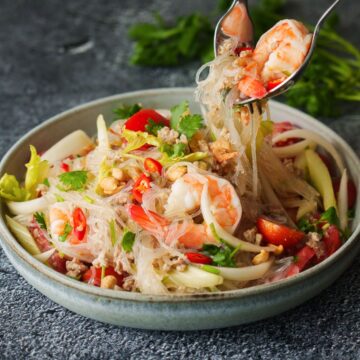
x: 333, y: 75
x: 125, y: 111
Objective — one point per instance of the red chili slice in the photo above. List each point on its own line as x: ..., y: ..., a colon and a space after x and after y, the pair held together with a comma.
x: 65, y: 167
x: 80, y: 224
x: 93, y: 275
x: 198, y: 258
x: 141, y: 185
x: 273, y: 84
x: 152, y: 166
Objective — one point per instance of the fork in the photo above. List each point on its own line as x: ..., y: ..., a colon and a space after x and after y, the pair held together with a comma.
x: 219, y: 37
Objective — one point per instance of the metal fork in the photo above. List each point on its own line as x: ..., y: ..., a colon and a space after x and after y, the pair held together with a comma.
x: 219, y: 37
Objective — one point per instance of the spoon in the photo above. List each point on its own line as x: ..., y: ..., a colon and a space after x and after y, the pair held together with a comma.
x: 245, y: 35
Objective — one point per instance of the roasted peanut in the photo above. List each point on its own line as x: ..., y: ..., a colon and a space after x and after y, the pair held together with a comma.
x: 176, y: 172
x: 260, y: 258
x: 108, y: 282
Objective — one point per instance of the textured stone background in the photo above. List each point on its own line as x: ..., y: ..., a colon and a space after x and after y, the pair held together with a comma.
x: 38, y: 80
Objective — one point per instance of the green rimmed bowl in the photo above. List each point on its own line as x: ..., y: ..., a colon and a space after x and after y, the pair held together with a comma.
x: 169, y: 312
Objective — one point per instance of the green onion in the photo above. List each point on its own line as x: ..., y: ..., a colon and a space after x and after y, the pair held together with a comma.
x: 210, y: 269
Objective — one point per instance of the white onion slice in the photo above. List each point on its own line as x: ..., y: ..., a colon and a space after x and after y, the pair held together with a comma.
x: 28, y: 207
x: 45, y: 256
x: 343, y: 200
x: 164, y: 112
x: 293, y: 149
x: 309, y: 135
x: 195, y: 278
x: 71, y: 144
x: 103, y: 138
x: 246, y: 273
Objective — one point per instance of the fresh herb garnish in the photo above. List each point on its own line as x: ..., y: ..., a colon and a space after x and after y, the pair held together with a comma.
x: 160, y: 44
x: 67, y: 230
x: 173, y: 151
x: 74, y: 180
x: 127, y: 241
x: 125, y: 111
x: 330, y: 216
x: 153, y: 127
x: 220, y: 255
x: 46, y: 182
x: 183, y: 122
x: 40, y: 219
x: 306, y: 226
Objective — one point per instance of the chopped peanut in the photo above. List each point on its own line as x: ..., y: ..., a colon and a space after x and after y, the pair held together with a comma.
x: 109, y: 185
x: 278, y: 250
x: 108, y: 282
x: 117, y: 173
x: 176, y: 173
x: 260, y: 258
x: 202, y: 165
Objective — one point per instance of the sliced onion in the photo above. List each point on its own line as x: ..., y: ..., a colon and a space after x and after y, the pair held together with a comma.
x: 164, y: 112
x: 23, y: 236
x: 71, y: 144
x: 294, y: 149
x: 309, y: 135
x: 343, y: 200
x: 103, y: 138
x: 224, y: 235
x: 246, y: 273
x: 195, y: 278
x: 45, y: 256
x: 28, y: 207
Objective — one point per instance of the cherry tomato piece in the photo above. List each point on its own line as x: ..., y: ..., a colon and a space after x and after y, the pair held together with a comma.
x: 332, y: 240
x: 93, y: 275
x: 138, y: 121
x: 279, y: 234
x: 302, y: 259
x: 65, y: 167
x: 152, y: 166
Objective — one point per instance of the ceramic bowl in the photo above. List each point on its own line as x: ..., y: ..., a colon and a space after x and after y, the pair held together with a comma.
x: 186, y: 312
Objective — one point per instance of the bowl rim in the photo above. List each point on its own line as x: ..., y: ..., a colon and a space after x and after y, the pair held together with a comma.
x: 54, y: 276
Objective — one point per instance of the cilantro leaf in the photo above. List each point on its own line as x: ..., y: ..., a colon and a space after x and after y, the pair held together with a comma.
x: 221, y: 255
x: 74, y: 180
x: 127, y: 241
x: 153, y: 127
x: 40, y: 219
x: 67, y: 230
x: 306, y: 226
x: 330, y: 216
x: 173, y: 151
x: 183, y: 122
x: 190, y: 124
x: 125, y: 111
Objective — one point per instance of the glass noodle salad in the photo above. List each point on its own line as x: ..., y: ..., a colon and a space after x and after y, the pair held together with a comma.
x: 167, y: 201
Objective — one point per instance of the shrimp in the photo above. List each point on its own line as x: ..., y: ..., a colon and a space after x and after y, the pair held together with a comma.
x: 186, y: 194
x: 278, y: 53
x: 59, y: 216
x: 282, y: 49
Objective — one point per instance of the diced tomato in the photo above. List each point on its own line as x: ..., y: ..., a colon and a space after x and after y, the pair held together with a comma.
x: 65, y: 167
x: 198, y: 258
x: 141, y: 185
x: 79, y: 220
x: 138, y: 121
x: 279, y: 234
x: 93, y: 275
x: 57, y: 262
x: 152, y: 166
x: 138, y: 214
x: 351, y: 191
x: 273, y: 84
x: 332, y: 240
x: 302, y: 259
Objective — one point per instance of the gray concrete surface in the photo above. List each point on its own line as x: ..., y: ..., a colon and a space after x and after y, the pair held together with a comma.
x: 37, y: 80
